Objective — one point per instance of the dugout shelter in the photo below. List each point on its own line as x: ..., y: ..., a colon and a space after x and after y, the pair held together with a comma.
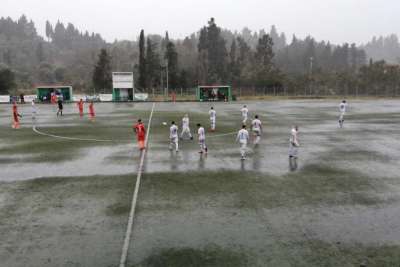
x: 44, y: 92
x: 214, y: 93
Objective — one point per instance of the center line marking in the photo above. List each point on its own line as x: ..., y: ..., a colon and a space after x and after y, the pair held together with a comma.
x: 128, y: 233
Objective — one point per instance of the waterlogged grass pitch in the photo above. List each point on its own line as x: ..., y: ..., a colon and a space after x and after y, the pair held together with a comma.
x: 65, y: 195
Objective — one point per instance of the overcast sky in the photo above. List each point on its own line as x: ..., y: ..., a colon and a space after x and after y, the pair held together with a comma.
x: 335, y: 20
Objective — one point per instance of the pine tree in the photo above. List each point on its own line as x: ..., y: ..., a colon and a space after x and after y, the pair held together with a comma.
x: 142, y: 83
x: 212, y: 54
x: 152, y: 63
x: 59, y: 35
x: 232, y: 67
x: 202, y: 62
x: 217, y: 54
x: 244, y: 62
x: 102, y: 79
x: 310, y: 54
x: 263, y: 61
x: 172, y: 60
x: 7, y: 81
x: 40, y: 53
x: 183, y: 79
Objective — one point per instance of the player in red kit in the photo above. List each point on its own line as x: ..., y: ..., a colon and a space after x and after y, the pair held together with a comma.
x: 53, y: 98
x: 91, y: 111
x: 140, y: 133
x: 80, y: 106
x: 16, y: 116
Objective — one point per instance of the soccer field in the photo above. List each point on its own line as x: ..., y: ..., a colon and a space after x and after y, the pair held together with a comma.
x: 66, y: 188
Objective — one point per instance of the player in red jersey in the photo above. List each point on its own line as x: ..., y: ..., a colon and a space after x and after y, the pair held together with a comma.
x: 53, y: 98
x: 16, y: 116
x: 80, y: 106
x: 91, y: 111
x: 140, y: 131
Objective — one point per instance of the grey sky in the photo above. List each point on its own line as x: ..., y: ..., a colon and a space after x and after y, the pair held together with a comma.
x: 335, y: 20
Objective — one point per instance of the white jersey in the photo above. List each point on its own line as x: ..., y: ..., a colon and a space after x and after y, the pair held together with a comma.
x: 33, y: 107
x: 243, y: 136
x: 256, y: 124
x: 173, y: 131
x: 342, y: 107
x: 244, y: 111
x: 293, y: 137
x: 185, y: 122
x: 201, y: 133
x: 213, y: 114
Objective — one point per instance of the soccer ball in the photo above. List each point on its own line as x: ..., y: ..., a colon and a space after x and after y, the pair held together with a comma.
x: 164, y: 123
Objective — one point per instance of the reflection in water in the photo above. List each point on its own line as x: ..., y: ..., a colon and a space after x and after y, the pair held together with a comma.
x: 173, y: 158
x: 292, y: 164
x: 256, y: 158
x: 202, y: 161
x: 242, y: 165
x: 137, y: 158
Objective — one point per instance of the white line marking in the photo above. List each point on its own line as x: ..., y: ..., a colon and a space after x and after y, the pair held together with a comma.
x: 69, y: 138
x: 103, y: 140
x: 219, y: 135
x: 134, y: 198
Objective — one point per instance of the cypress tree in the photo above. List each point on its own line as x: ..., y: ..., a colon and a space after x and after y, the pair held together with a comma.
x: 172, y: 58
x: 142, y: 62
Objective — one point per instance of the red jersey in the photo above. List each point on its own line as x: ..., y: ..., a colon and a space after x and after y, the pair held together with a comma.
x: 80, y: 105
x: 140, y: 130
x: 15, y: 113
x: 53, y: 99
x: 91, y: 109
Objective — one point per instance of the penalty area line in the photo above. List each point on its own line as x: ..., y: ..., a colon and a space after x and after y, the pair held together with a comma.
x: 128, y: 233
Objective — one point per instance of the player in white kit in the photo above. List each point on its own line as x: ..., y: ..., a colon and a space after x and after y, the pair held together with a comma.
x: 294, y: 142
x: 186, y: 128
x: 202, y: 139
x: 245, y: 112
x: 243, y: 138
x: 257, y: 129
x: 342, y: 110
x: 173, y: 137
x: 213, y: 118
x: 34, y: 110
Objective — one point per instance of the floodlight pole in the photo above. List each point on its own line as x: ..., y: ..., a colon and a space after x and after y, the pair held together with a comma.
x: 162, y: 79
x: 167, y: 80
x: 311, y: 73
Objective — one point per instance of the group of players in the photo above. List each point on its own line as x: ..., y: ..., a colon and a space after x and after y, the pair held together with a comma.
x: 80, y: 104
x: 242, y: 137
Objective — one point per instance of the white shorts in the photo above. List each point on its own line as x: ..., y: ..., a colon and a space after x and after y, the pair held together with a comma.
x: 257, y: 131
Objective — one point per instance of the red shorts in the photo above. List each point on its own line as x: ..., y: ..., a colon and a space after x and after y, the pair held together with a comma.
x: 141, y: 141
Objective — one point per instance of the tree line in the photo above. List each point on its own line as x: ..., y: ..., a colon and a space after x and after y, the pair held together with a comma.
x: 254, y: 60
